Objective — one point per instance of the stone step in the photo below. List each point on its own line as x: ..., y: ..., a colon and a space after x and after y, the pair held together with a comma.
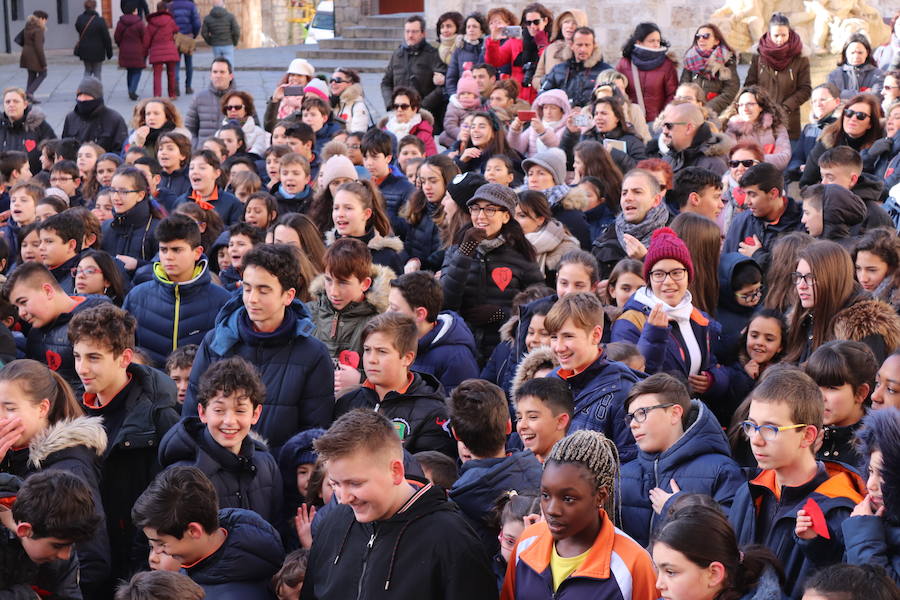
x: 347, y: 57
x: 388, y: 45
x: 392, y: 20
x: 361, y: 31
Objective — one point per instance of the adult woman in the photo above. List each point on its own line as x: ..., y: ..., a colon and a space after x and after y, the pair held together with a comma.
x: 741, y: 157
x: 857, y: 72
x: 33, y: 58
x: 129, y: 38
x: 781, y: 67
x: 550, y: 238
x: 564, y: 27
x: 173, y: 151
x: 537, y: 21
x: 347, y: 99
x: 280, y: 105
x: 859, y: 126
x: 449, y: 30
x: 599, y: 177
x: 501, y: 50
x: 23, y: 126
x: 486, y: 138
x: 609, y: 124
x: 152, y: 118
x: 890, y: 90
x: 238, y: 106
x: 672, y: 334
x: 98, y: 273
x: 419, y: 216
x: 754, y: 117
x: 876, y: 257
x: 704, y: 241
x: 831, y: 305
x: 469, y: 53
x: 94, y: 44
x: 407, y: 117
x: 712, y: 64
x: 612, y: 83
x: 159, y: 42
x: 552, y: 108
x: 652, y: 78
x: 887, y: 56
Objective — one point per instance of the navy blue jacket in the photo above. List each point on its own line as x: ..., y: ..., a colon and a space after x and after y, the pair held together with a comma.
x: 467, y: 53
x: 171, y: 314
x: 132, y: 233
x: 330, y: 129
x: 598, y: 219
x: 804, y: 145
x: 872, y: 540
x: 422, y: 240
x: 294, y: 366
x: 186, y: 16
x: 395, y: 190
x: 733, y: 317
x: 447, y: 351
x: 63, y: 274
x: 699, y: 462
x: 176, y: 182
x: 746, y: 225
x: 242, y: 568
x: 298, y: 203
x: 228, y: 206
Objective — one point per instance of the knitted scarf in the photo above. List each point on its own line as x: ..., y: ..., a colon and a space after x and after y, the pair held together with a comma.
x: 655, y: 218
x: 681, y: 314
x: 647, y: 59
x: 402, y: 129
x: 706, y: 64
x: 779, y: 57
x: 852, y: 75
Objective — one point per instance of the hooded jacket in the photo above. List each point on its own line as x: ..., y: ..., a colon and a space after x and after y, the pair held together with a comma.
x: 576, y: 78
x: 733, y: 317
x: 501, y: 365
x: 447, y: 351
x: 387, y: 251
x: 351, y: 108
x: 176, y: 182
x: 463, y: 59
x: 159, y: 38
x: 699, y: 462
x: 554, y: 53
x: 788, y: 88
x: 33, y: 57
x: 774, y: 141
x: 96, y: 123
x: 129, y: 38
x: 453, y: 119
x: 424, y: 129
x: 425, y: 550
x: 220, y: 28
x: 870, y: 321
x: 658, y: 85
x: 869, y: 79
x: 708, y: 150
x: 526, y: 141
x: 293, y: 365
x: 95, y: 45
x: 415, y: 66
x: 26, y: 134
x: 132, y: 233
x: 745, y: 225
x: 242, y: 568
x: 170, y: 315
x: 842, y: 210
x: 870, y: 189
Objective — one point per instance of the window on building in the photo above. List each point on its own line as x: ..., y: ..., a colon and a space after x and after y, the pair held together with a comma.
x: 17, y: 10
x: 62, y: 11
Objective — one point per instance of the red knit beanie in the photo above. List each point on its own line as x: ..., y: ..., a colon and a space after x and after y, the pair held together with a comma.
x: 665, y: 243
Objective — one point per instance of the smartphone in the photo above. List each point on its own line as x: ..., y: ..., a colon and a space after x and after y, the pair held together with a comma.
x: 526, y: 115
x: 293, y: 90
x: 582, y: 121
x: 512, y: 31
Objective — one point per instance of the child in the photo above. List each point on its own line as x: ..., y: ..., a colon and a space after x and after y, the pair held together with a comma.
x: 301, y: 139
x: 544, y: 411
x: 131, y: 235
x: 851, y: 582
x: 178, y: 368
x: 288, y: 581
x: 230, y: 401
x: 682, y: 447
x: 316, y: 113
x: 439, y: 469
x: 14, y: 169
x: 414, y: 402
x: 179, y: 304
x: 571, y: 550
x: 293, y: 193
x: 625, y: 353
x: 698, y: 190
x: 29, y: 244
x: 740, y: 292
x: 244, y: 183
x: 887, y: 383
x: 160, y: 585
x: 297, y: 462
x: 242, y: 237
x: 466, y: 101
x: 411, y: 169
x: 844, y: 371
x: 106, y: 167
x: 358, y: 212
x: 261, y: 210
x: 599, y: 387
x: 103, y: 206
x: 205, y: 172
x: 231, y: 551
x: 377, y: 158
x: 408, y: 148
x: 51, y: 204
x: 832, y: 212
x: 65, y: 176
x: 162, y: 197
x: 785, y: 417
x: 23, y: 199
x: 843, y: 166
x: 510, y: 512
x: 273, y: 157
x: 499, y: 169
x: 762, y: 345
x: 61, y: 237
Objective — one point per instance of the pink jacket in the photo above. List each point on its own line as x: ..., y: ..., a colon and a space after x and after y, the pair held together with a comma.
x: 775, y: 143
x: 526, y: 140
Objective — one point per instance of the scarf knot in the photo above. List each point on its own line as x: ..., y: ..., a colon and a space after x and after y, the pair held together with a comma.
x: 655, y: 218
x: 780, y: 57
x: 706, y: 64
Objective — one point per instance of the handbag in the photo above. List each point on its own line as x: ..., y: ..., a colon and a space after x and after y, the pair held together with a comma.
x: 20, y: 38
x: 185, y: 43
x: 80, y: 37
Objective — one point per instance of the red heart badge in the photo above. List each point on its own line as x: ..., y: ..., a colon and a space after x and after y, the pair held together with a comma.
x: 30, y: 145
x: 819, y: 524
x: 749, y: 240
x: 54, y: 360
x: 349, y: 358
x: 502, y: 276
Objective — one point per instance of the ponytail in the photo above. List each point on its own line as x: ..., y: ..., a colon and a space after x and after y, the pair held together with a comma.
x: 38, y: 382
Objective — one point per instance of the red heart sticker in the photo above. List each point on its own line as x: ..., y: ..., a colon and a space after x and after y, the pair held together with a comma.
x: 749, y: 240
x: 710, y: 96
x: 349, y: 358
x: 30, y: 145
x: 54, y: 360
x: 502, y: 276
x: 819, y: 524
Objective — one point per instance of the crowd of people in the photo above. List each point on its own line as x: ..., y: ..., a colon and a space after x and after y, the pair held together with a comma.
x: 547, y: 329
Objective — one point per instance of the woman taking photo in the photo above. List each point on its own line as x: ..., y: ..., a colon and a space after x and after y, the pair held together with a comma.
x: 652, y: 78
x: 609, y: 123
x: 857, y: 72
x: 407, y: 117
x: 537, y: 24
x: 712, y: 64
x: 753, y: 117
x: 469, y: 53
x: 281, y: 106
x: 153, y: 118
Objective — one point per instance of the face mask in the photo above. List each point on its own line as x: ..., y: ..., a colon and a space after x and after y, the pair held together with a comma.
x: 84, y: 108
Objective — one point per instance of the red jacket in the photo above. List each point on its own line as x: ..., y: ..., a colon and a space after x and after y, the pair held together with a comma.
x: 159, y: 38
x: 502, y: 55
x: 129, y: 38
x: 658, y: 86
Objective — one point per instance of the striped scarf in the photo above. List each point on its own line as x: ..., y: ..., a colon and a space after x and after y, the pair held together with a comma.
x: 706, y: 64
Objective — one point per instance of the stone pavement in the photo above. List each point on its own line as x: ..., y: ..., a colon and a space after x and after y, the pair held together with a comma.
x: 258, y: 71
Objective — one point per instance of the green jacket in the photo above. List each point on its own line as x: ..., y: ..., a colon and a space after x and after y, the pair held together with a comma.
x: 220, y: 28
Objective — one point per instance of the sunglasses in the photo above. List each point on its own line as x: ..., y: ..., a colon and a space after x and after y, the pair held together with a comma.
x: 858, y: 114
x: 336, y: 80
x: 403, y: 106
x: 672, y: 125
x: 534, y: 22
x: 703, y: 36
x: 234, y: 107
x: 749, y: 162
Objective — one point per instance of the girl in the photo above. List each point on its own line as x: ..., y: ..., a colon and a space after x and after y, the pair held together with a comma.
x: 550, y: 238
x: 624, y: 280
x: 609, y: 123
x: 131, y: 235
x: 103, y: 208
x: 703, y: 239
x: 209, y: 221
x: 106, y: 167
x: 261, y: 210
x: 152, y: 118
x: 697, y: 557
x: 205, y: 172
x: 29, y: 244
x: 753, y: 116
x: 499, y: 169
x: 173, y: 151
x: 421, y: 213
x: 87, y: 163
x: 299, y: 231
x: 780, y: 292
x: 485, y: 138
x: 358, y: 212
x: 712, y: 65
x: 857, y: 72
x: 648, y: 69
x: 97, y: 273
x: 851, y: 582
x: 337, y: 171
x: 741, y: 157
x: 49, y: 206
x: 876, y: 258
x: 565, y: 554
x: 510, y: 512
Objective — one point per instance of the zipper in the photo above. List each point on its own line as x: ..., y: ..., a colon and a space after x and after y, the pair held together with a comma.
x: 177, y: 315
x: 362, y: 574
x: 656, y: 482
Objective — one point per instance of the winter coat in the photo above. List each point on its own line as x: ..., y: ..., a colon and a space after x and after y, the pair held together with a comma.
x: 608, y: 251
x: 576, y: 79
x: 699, y: 462
x: 129, y: 38
x: 294, y: 366
x: 872, y: 540
x: 838, y: 445
x: 483, y: 480
x: 258, y: 139
x: 176, y: 182
x: 132, y: 233
x: 415, y: 66
x: 149, y: 143
x: 635, y: 149
x: 789, y: 88
x: 463, y: 59
x: 745, y: 225
x: 806, y: 142
x: 708, y: 150
x: 877, y: 157
x: 159, y: 38
x: 33, y: 57
x: 599, y: 394
x: 842, y: 210
x: 395, y: 191
x: 425, y: 550
x: 95, y: 45
x: 733, y: 317
x: 419, y: 414
x: 19, y: 575
x: 453, y: 118
x: 657, y: 85
x: 243, y: 567
x: 26, y: 134
x: 249, y: 480
x: 220, y: 28
x: 869, y: 78
x: 424, y: 129
x: 525, y: 141
x: 870, y: 189
x: 447, y: 351
x: 507, y: 56
x: 227, y: 205
x: 774, y: 141
x: 551, y: 242
x: 204, y: 115
x: 387, y: 251
x: 186, y: 16
x: 351, y: 108
x: 500, y: 367
x: 759, y: 518
x: 555, y: 52
x: 63, y: 274
x: 170, y: 315
x: 719, y: 91
x: 422, y: 240
x: 811, y: 173
x: 598, y: 219
x: 101, y: 125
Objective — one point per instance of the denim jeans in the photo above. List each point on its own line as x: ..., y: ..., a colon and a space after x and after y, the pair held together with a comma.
x: 133, y: 77
x: 188, y: 69
x: 225, y: 51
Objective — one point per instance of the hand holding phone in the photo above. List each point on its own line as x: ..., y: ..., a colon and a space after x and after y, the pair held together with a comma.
x: 512, y: 31
x: 293, y: 90
x: 582, y: 121
x: 526, y: 115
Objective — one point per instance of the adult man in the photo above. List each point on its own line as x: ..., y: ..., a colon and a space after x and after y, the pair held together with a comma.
x: 205, y: 113
x: 577, y: 74
x: 485, y: 77
x: 221, y: 31
x: 416, y: 64
x: 92, y: 120
x: 825, y: 102
x: 687, y: 141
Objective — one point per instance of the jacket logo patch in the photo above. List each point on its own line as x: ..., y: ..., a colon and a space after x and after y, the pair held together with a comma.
x: 603, y: 406
x: 54, y: 360
x: 502, y: 276
x: 402, y: 428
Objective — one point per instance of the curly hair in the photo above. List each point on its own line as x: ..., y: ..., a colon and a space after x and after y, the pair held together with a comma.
x: 766, y: 106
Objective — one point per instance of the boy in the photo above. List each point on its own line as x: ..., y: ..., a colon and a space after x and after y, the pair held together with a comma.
x: 830, y: 212
x: 479, y: 417
x: 268, y: 326
x: 178, y: 368
x: 179, y: 304
x: 301, y: 139
x: 414, y: 402
x: 377, y: 158
x: 51, y: 511
x: 317, y: 114
x: 785, y: 418
x: 160, y: 585
x: 843, y: 166
x: 242, y: 237
x: 23, y: 199
x: 439, y: 468
x: 65, y: 176
x: 218, y: 442
x: 446, y: 347
x: 544, y: 411
x: 599, y: 387
x: 48, y: 309
x: 14, y: 168
x: 408, y: 148
x: 682, y: 449
x: 698, y: 190
x: 230, y: 553
x: 152, y: 170
x: 444, y: 557
x: 61, y: 237
x: 294, y: 193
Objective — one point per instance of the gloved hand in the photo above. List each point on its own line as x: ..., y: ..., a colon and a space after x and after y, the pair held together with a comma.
x: 471, y: 239
x: 483, y: 314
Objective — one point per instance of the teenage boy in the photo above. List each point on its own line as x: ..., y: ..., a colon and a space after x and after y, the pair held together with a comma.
x: 479, y: 417
x: 48, y: 309
x: 23, y: 199
x: 446, y: 347
x: 230, y: 400
x: 137, y: 404
x: 843, y: 166
x: 65, y: 176
x: 408, y: 148
x: 152, y: 170
x: 61, y: 237
x: 681, y: 449
x: 178, y: 368
x: 769, y: 215
x: 179, y: 305
x: 831, y: 212
x: 422, y: 548
x: 230, y: 553
x: 698, y: 190
x: 377, y: 158
x: 301, y: 139
x: 242, y: 237
x: 294, y: 193
x: 544, y: 411
x: 316, y: 113
x: 14, y: 168
x: 599, y: 386
x: 773, y: 508
x: 414, y: 402
x: 269, y: 327
x: 51, y: 512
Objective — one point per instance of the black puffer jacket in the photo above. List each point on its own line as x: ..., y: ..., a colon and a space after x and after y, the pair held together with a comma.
x: 634, y: 146
x: 841, y: 211
x: 95, y: 122
x: 26, y: 134
x: 95, y: 44
x: 176, y: 182
x: 132, y: 233
x: 422, y: 240
x: 415, y: 66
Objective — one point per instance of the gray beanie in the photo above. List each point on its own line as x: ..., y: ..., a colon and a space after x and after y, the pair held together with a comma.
x: 497, y: 194
x: 553, y: 160
x: 92, y: 87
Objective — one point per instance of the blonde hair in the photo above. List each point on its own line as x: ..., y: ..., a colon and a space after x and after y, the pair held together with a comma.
x: 584, y: 309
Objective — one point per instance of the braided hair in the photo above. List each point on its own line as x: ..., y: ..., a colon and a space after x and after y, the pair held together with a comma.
x: 598, y: 455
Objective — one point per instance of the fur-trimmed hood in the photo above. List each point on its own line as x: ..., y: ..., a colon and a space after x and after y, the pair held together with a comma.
x: 577, y: 199
x: 33, y: 119
x: 352, y: 93
x: 532, y: 362
x: 716, y: 144
x: 426, y: 115
x: 738, y: 127
x: 592, y: 60
x: 376, y: 295
x: 866, y: 318
x: 68, y: 433
x: 509, y: 328
x: 581, y: 19
x: 378, y: 241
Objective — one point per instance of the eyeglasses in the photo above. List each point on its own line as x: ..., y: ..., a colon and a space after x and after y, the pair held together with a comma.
x: 675, y: 274
x: 751, y: 296
x: 234, y: 107
x: 808, y: 279
x: 490, y: 210
x: 353, y: 146
x: 858, y: 114
x: 672, y: 125
x: 87, y: 271
x: 768, y: 432
x: 747, y: 104
x: 336, y: 80
x: 56, y: 179
x: 685, y: 98
x: 115, y: 192
x: 703, y: 36
x: 534, y: 22
x: 640, y: 415
x: 749, y: 162
x: 403, y: 106
x: 890, y: 87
